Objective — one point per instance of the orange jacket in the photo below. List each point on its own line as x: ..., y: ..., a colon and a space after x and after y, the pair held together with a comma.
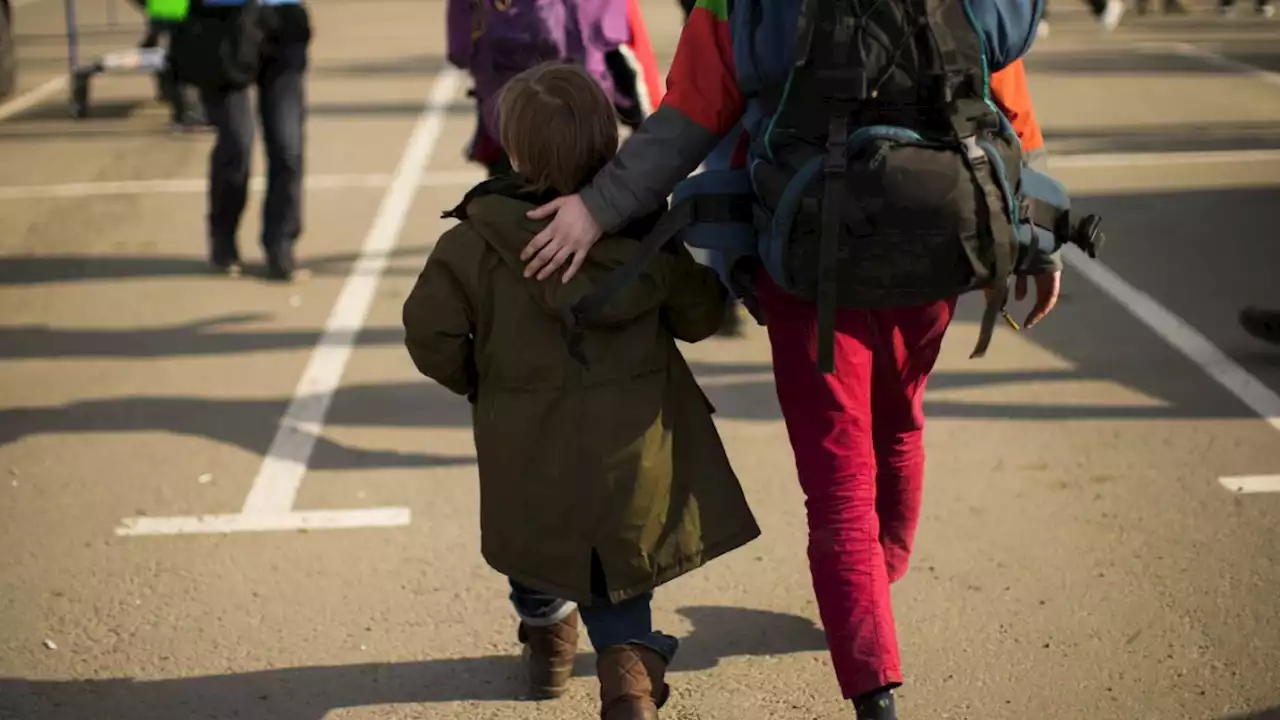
x: 1009, y: 89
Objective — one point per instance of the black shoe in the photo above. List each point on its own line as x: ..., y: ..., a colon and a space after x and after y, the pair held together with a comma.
x: 1262, y: 324
x: 876, y: 705
x: 224, y: 259
x: 732, y: 325
x: 281, y: 265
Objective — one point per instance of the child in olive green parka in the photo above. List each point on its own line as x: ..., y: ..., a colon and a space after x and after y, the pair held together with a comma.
x: 597, y: 483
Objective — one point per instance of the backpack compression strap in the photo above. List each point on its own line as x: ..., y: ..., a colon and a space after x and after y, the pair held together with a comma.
x: 834, y: 172
x: 970, y: 117
x: 697, y: 208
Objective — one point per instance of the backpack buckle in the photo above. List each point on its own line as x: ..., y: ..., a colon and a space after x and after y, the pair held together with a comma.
x: 976, y: 154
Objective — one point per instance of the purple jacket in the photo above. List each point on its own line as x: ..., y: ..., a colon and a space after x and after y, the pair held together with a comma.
x: 497, y: 39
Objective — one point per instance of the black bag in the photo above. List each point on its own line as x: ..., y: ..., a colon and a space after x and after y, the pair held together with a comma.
x: 219, y: 48
x: 885, y: 175
x: 879, y: 175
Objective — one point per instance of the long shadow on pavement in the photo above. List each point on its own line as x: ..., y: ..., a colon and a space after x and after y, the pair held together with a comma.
x: 401, y: 67
x: 1129, y: 63
x: 251, y: 424
x: 1272, y: 714
x: 41, y: 269
x: 376, y: 109
x: 1182, y: 137
x: 1202, y: 254
x: 309, y: 693
x: 210, y: 336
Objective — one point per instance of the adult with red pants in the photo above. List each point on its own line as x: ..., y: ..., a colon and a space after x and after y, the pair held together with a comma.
x: 856, y: 433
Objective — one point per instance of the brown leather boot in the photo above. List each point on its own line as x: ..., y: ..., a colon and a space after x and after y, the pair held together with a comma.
x: 548, y: 655
x: 631, y: 683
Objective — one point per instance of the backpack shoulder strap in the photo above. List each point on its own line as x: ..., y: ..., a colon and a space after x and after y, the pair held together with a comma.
x: 576, y: 317
x: 972, y: 113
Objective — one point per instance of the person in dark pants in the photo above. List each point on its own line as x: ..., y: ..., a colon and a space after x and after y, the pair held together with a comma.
x: 1264, y: 8
x: 162, y: 20
x: 281, y: 109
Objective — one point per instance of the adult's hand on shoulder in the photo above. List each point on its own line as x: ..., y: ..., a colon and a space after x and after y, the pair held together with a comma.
x: 568, y: 237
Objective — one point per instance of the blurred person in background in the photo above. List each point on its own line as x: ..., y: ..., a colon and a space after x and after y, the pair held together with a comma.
x: 1170, y: 7
x: 162, y: 17
x: 495, y: 40
x: 1264, y: 8
x: 225, y: 48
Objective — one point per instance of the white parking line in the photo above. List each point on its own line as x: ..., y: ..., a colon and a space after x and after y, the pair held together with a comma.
x: 1222, y: 61
x: 1177, y: 332
x: 181, y: 186
x: 269, y: 505
x: 242, y: 522
x: 32, y: 97
x: 1155, y: 159
x: 452, y: 178
x: 1252, y: 483
x: 1190, y: 342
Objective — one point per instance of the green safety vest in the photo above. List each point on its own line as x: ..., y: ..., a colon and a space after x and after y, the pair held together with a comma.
x: 168, y: 9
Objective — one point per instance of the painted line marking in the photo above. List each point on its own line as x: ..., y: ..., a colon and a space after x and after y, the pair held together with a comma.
x: 275, y: 488
x: 1178, y: 333
x: 240, y: 522
x: 453, y: 178
x: 33, y: 97
x: 1156, y: 159
x: 444, y: 178
x: 1187, y: 340
x: 1222, y: 61
x: 1252, y: 483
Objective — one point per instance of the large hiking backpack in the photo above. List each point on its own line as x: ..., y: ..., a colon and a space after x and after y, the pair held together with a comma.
x: 880, y: 172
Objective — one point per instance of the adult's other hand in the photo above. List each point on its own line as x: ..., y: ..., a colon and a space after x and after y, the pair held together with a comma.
x: 1048, y: 286
x: 569, y: 236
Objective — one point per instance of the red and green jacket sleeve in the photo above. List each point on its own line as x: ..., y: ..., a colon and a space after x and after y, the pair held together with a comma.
x: 702, y: 104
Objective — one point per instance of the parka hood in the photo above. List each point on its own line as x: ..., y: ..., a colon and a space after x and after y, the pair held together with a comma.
x: 496, y: 211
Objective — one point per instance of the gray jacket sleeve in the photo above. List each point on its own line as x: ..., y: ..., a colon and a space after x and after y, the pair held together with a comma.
x: 660, y: 153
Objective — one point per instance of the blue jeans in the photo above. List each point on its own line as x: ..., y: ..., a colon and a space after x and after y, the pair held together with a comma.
x: 608, y: 624
x: 282, y: 109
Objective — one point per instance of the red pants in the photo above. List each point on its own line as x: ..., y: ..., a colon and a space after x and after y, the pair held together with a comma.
x: 859, y: 445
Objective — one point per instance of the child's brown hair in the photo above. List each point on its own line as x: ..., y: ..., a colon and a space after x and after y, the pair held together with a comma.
x: 558, y: 126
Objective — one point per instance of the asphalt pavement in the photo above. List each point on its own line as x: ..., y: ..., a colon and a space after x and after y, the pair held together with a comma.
x: 225, y: 498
